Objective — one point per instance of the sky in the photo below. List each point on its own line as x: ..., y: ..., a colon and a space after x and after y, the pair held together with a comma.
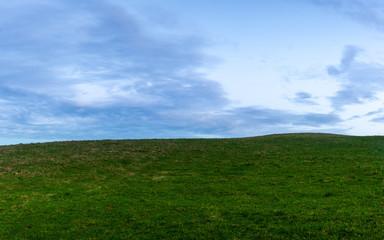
x: 117, y: 69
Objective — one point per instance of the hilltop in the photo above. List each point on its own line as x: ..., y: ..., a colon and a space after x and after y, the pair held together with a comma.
x: 289, y: 186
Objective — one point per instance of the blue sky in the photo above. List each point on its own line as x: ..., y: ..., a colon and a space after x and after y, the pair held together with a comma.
x: 115, y: 69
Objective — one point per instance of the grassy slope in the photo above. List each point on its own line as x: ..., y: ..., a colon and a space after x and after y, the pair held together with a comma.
x: 274, y: 187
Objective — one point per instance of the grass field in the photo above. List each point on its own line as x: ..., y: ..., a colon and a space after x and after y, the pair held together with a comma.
x: 293, y: 186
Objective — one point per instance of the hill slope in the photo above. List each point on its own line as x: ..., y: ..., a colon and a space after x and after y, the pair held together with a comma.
x: 273, y: 187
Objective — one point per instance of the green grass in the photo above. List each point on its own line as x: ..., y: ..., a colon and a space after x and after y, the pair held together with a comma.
x: 293, y: 186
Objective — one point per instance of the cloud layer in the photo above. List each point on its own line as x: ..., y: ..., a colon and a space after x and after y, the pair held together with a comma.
x: 80, y: 66
x: 86, y: 69
x: 93, y: 70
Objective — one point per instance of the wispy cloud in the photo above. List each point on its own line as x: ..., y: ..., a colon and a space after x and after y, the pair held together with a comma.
x: 360, y: 81
x: 303, y: 98
x: 246, y: 121
x: 369, y: 13
x: 349, y: 55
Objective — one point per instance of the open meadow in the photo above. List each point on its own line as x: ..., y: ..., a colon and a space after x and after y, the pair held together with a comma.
x: 292, y: 186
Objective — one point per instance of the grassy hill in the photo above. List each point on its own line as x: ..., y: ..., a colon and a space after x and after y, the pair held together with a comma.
x: 293, y: 186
